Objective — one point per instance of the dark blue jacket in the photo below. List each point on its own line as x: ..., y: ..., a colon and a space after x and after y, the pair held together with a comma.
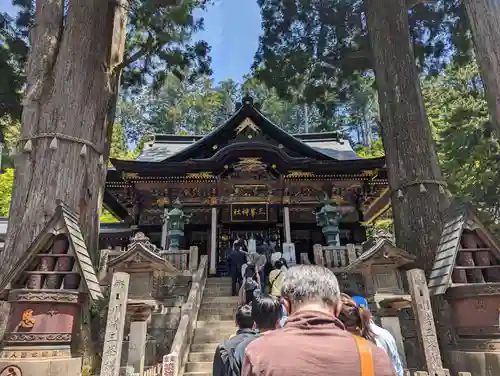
x: 235, y: 260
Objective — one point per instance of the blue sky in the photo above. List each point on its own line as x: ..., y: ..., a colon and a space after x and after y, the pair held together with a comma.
x: 232, y: 28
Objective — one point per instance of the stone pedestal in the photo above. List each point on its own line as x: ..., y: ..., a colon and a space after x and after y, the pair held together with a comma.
x: 140, y: 314
x: 289, y: 254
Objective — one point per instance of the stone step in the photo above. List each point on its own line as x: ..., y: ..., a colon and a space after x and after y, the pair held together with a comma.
x: 204, y: 347
x: 199, y: 367
x: 219, y: 280
x: 198, y: 373
x: 235, y: 300
x: 212, y: 335
x: 214, y: 330
x: 209, y: 316
x: 201, y: 356
x: 227, y: 306
x: 215, y: 324
x: 216, y: 292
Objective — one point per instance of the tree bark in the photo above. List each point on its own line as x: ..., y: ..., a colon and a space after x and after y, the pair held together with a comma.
x: 408, y: 144
x: 71, y: 90
x: 484, y: 21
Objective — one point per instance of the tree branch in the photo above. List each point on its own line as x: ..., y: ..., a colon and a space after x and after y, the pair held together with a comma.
x: 148, y: 47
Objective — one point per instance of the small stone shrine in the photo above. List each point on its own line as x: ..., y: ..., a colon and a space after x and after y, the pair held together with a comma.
x: 48, y: 325
x: 467, y: 274
x: 380, y: 265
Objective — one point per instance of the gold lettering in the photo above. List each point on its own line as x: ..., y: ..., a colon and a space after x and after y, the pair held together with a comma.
x: 245, y: 212
x: 253, y: 212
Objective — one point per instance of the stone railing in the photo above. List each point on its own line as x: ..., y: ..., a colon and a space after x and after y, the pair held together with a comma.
x: 189, y: 312
x: 333, y: 257
x: 183, y: 259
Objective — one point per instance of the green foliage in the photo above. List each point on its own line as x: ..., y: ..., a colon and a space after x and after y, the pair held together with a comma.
x: 6, y: 183
x: 466, y: 145
x: 321, y: 47
x: 107, y: 217
x: 373, y: 150
x: 13, y: 52
x: 160, y: 40
x: 183, y: 107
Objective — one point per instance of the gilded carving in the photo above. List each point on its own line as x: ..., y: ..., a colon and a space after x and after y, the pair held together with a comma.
x: 299, y: 174
x: 250, y: 165
x: 163, y: 201
x: 247, y: 124
x: 11, y: 371
x: 59, y: 297
x: 38, y: 337
x: 35, y: 354
x: 200, y: 175
x: 130, y: 175
x: 27, y: 320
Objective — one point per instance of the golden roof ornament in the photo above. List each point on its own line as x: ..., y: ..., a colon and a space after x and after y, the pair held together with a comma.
x: 299, y: 174
x: 200, y: 175
x: 247, y: 123
x: 250, y: 165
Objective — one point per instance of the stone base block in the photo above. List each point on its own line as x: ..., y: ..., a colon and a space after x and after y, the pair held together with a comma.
x: 46, y: 367
x: 477, y: 363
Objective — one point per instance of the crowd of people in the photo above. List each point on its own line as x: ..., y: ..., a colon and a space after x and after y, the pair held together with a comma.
x: 306, y: 327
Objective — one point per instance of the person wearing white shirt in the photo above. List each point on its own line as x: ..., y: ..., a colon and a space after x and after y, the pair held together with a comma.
x: 384, y: 339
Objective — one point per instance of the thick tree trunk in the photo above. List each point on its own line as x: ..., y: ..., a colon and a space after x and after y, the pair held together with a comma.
x: 484, y: 21
x: 407, y: 138
x: 71, y: 91
x: 408, y: 144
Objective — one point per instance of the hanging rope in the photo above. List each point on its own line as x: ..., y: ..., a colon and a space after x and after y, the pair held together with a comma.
x: 53, y: 145
x: 442, y: 185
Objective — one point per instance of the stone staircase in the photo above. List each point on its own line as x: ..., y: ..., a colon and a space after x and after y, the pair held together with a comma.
x: 215, y: 323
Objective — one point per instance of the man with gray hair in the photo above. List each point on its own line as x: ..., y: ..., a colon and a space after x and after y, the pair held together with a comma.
x: 313, y: 341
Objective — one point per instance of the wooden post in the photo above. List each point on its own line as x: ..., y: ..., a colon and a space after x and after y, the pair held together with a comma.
x: 424, y: 318
x: 115, y: 324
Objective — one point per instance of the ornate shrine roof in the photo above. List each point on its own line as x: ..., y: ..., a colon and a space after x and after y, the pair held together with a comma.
x: 246, y: 131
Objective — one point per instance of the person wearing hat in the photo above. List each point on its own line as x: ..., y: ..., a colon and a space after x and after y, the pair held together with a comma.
x: 383, y: 338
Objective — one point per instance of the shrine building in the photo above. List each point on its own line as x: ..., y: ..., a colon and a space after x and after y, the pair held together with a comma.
x: 247, y: 178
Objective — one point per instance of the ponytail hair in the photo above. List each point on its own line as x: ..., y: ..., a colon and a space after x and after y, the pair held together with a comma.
x: 355, y: 318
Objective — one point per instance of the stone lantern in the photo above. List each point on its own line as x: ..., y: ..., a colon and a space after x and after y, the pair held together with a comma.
x: 328, y: 219
x: 176, y: 221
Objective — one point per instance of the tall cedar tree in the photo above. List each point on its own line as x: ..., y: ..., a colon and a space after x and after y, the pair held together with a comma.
x: 484, y: 20
x: 73, y: 77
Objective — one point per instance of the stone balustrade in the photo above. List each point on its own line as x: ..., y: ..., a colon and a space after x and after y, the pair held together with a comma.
x: 334, y: 257
x: 182, y: 340
x: 183, y: 260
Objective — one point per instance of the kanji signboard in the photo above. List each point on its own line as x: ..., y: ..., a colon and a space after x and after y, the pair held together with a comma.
x: 249, y: 213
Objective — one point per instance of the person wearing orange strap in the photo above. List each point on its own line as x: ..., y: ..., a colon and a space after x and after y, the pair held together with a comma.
x: 314, y: 341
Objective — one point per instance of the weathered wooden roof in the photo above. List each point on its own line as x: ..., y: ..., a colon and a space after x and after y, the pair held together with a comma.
x: 71, y: 220
x: 375, y: 248
x: 66, y: 221
x: 141, y: 251
x: 455, y: 221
